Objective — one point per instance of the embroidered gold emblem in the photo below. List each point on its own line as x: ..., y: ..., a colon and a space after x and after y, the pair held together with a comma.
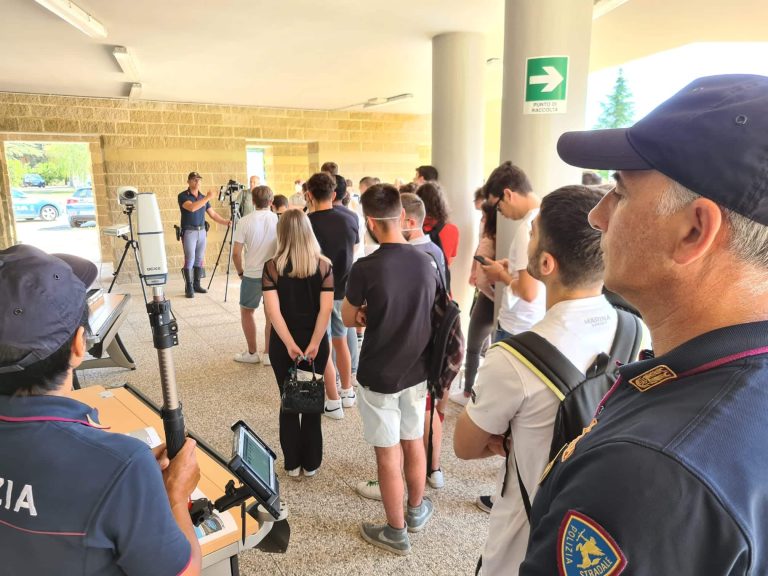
x: 653, y: 377
x: 551, y: 464
x: 568, y: 452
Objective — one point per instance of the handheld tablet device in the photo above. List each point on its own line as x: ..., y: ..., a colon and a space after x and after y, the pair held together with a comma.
x: 254, y: 464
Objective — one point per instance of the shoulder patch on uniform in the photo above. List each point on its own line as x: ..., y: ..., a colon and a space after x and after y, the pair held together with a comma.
x: 584, y: 548
x: 653, y: 377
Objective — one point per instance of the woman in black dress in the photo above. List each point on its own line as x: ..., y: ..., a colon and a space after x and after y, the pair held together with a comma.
x: 298, y: 297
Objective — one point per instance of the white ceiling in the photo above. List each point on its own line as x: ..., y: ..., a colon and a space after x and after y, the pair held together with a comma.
x: 310, y: 54
x: 288, y: 53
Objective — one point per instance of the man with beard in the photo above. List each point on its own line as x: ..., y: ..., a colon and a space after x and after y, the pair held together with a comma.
x: 563, y: 253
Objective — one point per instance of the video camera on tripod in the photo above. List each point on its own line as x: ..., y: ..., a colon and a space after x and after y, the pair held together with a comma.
x: 230, y: 189
x: 234, y: 191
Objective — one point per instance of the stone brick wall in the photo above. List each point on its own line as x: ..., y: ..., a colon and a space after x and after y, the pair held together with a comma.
x: 154, y: 145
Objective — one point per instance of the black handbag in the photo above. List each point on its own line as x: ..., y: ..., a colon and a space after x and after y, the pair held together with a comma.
x: 302, y: 396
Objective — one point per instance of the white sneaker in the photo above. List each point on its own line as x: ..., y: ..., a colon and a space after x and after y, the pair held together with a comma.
x: 348, y: 397
x: 295, y: 472
x: 459, y: 398
x: 265, y: 359
x: 247, y: 357
x: 333, y: 410
x: 369, y: 489
x: 436, y: 479
x: 310, y: 473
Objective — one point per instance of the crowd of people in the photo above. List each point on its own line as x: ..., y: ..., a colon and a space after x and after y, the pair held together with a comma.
x: 667, y: 474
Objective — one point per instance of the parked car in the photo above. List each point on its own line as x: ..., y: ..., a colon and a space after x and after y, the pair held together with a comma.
x: 27, y: 207
x: 33, y: 180
x: 80, y: 207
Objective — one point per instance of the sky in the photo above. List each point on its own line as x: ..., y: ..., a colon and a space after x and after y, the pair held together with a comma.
x: 655, y: 78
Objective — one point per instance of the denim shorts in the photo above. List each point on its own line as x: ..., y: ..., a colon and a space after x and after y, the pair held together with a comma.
x: 250, y: 292
x: 336, y: 328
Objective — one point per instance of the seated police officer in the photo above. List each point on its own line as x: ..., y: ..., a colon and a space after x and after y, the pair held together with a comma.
x: 670, y: 475
x: 75, y: 499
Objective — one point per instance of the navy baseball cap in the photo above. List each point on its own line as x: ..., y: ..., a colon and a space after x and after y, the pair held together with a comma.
x: 42, y: 302
x: 194, y: 175
x: 711, y: 137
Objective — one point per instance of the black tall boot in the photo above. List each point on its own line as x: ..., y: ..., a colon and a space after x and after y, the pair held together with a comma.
x: 198, y: 270
x: 188, y: 289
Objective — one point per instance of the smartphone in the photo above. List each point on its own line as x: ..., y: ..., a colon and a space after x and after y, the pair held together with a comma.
x: 481, y: 259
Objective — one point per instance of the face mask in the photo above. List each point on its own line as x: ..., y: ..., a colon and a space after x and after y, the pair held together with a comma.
x: 297, y: 187
x: 407, y: 232
x: 369, y: 228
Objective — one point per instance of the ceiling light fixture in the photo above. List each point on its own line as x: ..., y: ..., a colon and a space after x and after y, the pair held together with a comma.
x: 135, y: 91
x: 602, y: 7
x: 382, y: 101
x: 76, y: 16
x: 371, y: 102
x: 126, y: 62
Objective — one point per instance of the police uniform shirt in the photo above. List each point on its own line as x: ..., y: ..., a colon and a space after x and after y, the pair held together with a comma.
x: 192, y: 219
x: 77, y: 500
x: 673, y: 476
x: 507, y: 393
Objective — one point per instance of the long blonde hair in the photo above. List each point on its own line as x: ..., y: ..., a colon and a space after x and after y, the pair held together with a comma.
x: 296, y: 243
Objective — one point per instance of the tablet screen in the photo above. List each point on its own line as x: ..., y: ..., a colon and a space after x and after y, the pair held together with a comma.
x: 256, y: 456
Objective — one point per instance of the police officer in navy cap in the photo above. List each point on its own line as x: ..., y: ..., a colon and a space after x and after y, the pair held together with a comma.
x: 194, y: 205
x: 74, y: 498
x: 671, y: 475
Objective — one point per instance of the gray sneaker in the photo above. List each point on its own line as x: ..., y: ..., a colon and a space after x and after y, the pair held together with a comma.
x: 386, y: 537
x: 417, y: 518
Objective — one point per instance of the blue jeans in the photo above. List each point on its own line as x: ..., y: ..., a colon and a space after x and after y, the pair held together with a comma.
x: 501, y: 335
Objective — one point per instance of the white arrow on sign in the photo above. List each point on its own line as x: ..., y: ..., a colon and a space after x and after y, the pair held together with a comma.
x: 552, y: 79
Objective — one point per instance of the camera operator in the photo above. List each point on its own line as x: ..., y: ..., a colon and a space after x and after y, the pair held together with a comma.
x: 76, y: 499
x: 194, y: 205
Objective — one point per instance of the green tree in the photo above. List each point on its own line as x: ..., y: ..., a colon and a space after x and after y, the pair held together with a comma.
x: 16, y: 171
x: 27, y: 152
x: 72, y: 161
x: 618, y: 109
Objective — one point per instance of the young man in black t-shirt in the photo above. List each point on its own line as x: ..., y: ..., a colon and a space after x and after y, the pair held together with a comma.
x: 337, y: 235
x: 391, y: 292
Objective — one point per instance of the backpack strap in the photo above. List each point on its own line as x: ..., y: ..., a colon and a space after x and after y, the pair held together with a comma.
x: 530, y: 348
x: 545, y: 361
x: 629, y: 336
x: 557, y: 372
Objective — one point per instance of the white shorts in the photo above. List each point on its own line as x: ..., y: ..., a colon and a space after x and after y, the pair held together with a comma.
x: 389, y: 418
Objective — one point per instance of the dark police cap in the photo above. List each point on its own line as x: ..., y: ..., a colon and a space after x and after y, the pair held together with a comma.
x: 711, y: 137
x: 194, y: 175
x: 42, y: 302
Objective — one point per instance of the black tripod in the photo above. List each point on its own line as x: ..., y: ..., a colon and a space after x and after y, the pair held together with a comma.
x: 234, y: 216
x: 130, y: 243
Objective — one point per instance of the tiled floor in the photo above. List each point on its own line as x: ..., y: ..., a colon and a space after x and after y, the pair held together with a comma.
x: 324, y: 511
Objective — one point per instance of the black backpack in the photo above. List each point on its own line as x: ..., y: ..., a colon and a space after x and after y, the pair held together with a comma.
x: 579, y: 394
x: 446, y: 350
x: 434, y: 235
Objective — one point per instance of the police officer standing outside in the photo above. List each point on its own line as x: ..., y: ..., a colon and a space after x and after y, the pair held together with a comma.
x: 76, y: 499
x: 670, y: 475
x: 194, y: 205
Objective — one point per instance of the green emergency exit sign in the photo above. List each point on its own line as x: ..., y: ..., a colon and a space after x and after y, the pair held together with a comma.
x: 546, y: 85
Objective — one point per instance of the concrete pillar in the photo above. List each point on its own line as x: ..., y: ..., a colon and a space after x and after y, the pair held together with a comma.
x: 533, y: 29
x: 529, y: 129
x: 458, y: 111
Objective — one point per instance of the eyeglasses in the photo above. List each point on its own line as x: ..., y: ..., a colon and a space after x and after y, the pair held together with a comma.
x: 497, y: 206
